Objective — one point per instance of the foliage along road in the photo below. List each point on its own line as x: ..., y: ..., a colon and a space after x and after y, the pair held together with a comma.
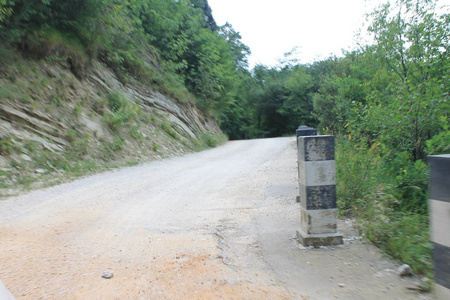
x: 215, y: 224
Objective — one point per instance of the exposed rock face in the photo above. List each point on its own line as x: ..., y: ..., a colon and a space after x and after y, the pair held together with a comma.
x: 25, y: 124
x: 47, y: 114
x: 33, y: 124
x: 183, y: 115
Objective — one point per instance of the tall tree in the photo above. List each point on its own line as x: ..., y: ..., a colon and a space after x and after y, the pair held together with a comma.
x: 412, y: 43
x: 5, y: 10
x: 207, y: 11
x: 239, y: 49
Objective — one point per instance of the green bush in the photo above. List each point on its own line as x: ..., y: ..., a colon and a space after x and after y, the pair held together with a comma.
x: 440, y: 143
x: 387, y: 192
x: 361, y: 170
x: 412, y: 188
x: 409, y: 179
x: 7, y: 91
x: 79, y: 143
x: 167, y: 127
x: 122, y: 110
x: 74, y: 16
x: 6, y: 146
x: 117, y: 144
x: 77, y: 110
x: 404, y: 236
x: 116, y: 101
x: 209, y: 139
x: 52, y: 45
x: 134, y: 131
x: 357, y: 172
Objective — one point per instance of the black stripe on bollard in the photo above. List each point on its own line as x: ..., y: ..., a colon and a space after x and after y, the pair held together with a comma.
x: 441, y: 256
x: 440, y: 177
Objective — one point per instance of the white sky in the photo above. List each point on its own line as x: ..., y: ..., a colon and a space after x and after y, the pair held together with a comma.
x: 319, y: 28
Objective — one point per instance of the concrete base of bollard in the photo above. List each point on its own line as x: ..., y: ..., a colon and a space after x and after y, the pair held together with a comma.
x: 321, y: 239
x: 441, y: 292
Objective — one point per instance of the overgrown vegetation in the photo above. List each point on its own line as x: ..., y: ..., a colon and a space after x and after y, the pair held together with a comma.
x: 208, y: 140
x: 6, y: 147
x: 388, y: 196
x: 123, y: 111
x: 124, y: 132
x: 388, y: 105
x: 175, y: 46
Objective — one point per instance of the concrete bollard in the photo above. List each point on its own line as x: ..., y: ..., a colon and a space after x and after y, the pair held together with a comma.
x: 304, y: 130
x: 317, y: 186
x: 439, y: 205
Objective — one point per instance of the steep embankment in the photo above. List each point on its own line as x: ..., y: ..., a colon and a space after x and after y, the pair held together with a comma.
x: 54, y: 126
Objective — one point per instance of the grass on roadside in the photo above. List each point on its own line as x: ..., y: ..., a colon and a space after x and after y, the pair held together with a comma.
x: 387, y: 212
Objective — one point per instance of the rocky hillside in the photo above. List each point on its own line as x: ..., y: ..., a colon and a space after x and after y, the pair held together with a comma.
x: 54, y: 126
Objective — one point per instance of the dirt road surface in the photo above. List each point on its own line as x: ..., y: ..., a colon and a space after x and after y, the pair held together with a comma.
x: 218, y: 224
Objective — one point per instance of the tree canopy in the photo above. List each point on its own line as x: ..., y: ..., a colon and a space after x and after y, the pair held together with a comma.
x: 394, y: 90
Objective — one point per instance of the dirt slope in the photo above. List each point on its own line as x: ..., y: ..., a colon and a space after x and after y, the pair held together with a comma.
x: 54, y: 125
x: 219, y: 224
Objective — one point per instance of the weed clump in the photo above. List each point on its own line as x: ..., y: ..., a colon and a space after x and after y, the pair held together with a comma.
x: 388, y: 196
x: 167, y: 127
x: 6, y: 146
x: 122, y: 112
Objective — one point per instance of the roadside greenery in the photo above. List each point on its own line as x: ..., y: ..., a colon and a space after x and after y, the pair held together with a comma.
x: 391, y: 108
x: 388, y: 105
x: 174, y: 46
x: 123, y: 111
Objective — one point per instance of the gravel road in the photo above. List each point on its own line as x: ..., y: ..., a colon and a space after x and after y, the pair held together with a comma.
x: 219, y: 224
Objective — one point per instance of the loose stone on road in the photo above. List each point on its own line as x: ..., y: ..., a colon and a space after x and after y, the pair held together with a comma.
x: 216, y: 224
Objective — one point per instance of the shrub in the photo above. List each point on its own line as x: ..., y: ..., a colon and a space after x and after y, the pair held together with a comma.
x: 404, y: 236
x: 6, y: 146
x: 209, y: 140
x: 357, y: 172
x: 134, y: 131
x: 77, y: 110
x: 412, y: 188
x: 440, y: 143
x: 51, y: 45
x: 7, y: 92
x: 79, y: 143
x: 116, y: 101
x: 122, y: 110
x: 114, y: 146
x: 387, y: 192
x: 167, y: 127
